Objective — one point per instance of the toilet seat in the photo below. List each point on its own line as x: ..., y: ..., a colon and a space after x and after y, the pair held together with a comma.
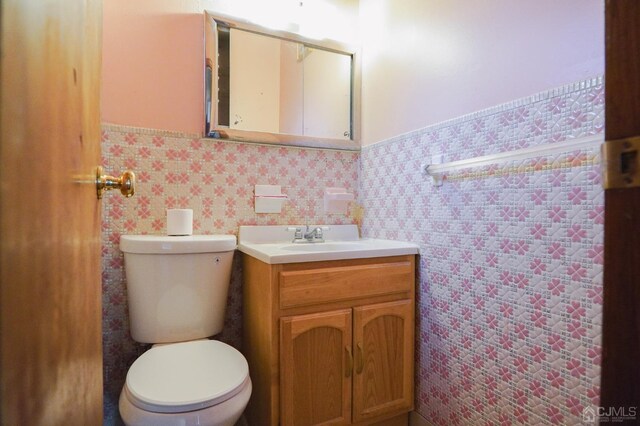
x: 186, y: 376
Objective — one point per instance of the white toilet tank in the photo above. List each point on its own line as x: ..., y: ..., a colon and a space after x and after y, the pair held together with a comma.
x: 177, y: 286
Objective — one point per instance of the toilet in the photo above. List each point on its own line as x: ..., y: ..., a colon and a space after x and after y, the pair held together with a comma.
x: 177, y: 292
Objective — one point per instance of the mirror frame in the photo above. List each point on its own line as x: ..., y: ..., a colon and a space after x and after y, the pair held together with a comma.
x: 212, y: 129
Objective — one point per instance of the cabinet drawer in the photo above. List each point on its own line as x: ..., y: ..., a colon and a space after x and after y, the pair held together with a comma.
x: 312, y: 286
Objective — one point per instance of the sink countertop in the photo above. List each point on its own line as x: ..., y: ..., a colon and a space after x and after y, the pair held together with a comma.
x: 272, y: 245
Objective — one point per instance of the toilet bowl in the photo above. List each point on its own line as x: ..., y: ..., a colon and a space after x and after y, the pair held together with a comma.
x: 177, y: 293
x: 199, y: 383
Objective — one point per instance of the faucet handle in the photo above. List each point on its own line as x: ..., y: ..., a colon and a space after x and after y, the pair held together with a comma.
x: 297, y: 230
x: 318, y: 233
x: 320, y: 229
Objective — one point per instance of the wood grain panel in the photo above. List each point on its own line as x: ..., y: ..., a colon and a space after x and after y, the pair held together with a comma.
x: 264, y: 346
x: 301, y: 266
x: 401, y: 420
x: 260, y: 340
x: 387, y: 358
x: 50, y: 298
x: 620, y: 384
x: 323, y: 285
x: 315, y: 380
x: 383, y: 342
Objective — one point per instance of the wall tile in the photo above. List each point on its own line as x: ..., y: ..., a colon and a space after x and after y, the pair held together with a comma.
x: 216, y: 180
x: 510, y: 276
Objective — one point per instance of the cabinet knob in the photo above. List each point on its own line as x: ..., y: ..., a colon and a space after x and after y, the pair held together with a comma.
x: 359, y: 359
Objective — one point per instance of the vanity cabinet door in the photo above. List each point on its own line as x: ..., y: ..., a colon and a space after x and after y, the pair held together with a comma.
x: 316, y: 369
x: 383, y: 372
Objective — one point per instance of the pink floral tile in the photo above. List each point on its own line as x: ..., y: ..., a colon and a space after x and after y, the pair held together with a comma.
x: 510, y: 274
x: 216, y: 180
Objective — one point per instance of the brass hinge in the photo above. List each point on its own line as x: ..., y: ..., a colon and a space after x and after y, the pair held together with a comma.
x: 621, y: 163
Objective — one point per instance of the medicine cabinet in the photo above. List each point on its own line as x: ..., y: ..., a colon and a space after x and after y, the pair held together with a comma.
x: 277, y: 87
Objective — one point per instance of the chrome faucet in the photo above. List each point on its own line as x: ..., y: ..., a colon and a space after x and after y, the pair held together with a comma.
x: 314, y: 235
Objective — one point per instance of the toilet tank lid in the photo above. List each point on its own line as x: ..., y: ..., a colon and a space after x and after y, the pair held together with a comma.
x: 162, y: 244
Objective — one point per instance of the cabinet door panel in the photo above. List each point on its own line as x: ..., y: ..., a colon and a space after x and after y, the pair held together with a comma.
x: 383, y: 340
x: 315, y: 369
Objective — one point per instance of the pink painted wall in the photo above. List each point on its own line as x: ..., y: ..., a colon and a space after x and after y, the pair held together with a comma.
x: 452, y: 58
x: 152, y: 60
x: 152, y: 65
x: 429, y: 61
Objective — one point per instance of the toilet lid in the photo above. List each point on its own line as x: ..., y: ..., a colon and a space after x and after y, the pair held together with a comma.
x: 187, y: 376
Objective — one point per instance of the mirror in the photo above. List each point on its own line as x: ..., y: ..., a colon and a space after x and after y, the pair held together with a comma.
x: 276, y: 87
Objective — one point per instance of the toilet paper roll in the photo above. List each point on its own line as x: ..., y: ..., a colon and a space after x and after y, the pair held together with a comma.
x: 179, y: 221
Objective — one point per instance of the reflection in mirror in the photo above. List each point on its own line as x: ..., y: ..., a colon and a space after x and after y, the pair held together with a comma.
x: 291, y: 89
x: 327, y: 93
x: 278, y: 88
x: 258, y: 88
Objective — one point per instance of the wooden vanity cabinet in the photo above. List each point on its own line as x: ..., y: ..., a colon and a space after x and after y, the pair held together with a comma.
x: 330, y: 343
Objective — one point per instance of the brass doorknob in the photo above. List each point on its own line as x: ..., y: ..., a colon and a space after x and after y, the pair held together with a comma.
x: 125, y: 183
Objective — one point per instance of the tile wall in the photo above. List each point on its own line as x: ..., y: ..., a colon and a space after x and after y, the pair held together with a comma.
x: 510, y: 273
x: 216, y: 180
x: 510, y: 290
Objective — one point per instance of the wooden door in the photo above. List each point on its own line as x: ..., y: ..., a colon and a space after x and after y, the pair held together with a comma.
x: 620, y: 386
x: 383, y: 345
x: 316, y: 369
x: 50, y: 297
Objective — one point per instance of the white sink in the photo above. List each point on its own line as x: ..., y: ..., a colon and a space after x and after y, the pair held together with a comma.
x: 326, y: 246
x: 273, y: 245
